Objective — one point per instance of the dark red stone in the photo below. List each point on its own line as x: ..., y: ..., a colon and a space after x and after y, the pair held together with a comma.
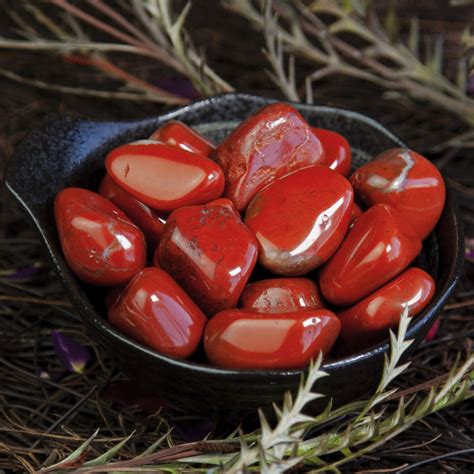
x: 376, y: 249
x: 164, y: 177
x: 368, y: 321
x: 150, y: 222
x: 246, y: 339
x: 178, y: 134
x: 210, y: 253
x: 301, y: 219
x: 407, y: 181
x: 101, y: 244
x: 268, y: 145
x: 155, y: 311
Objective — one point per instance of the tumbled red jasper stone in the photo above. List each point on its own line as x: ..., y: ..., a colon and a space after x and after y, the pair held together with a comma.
x: 300, y: 220
x: 149, y: 221
x: 244, y: 338
x: 376, y: 249
x: 226, y: 203
x: 268, y: 145
x: 210, y: 253
x: 178, y: 134
x: 408, y: 182
x: 164, y: 177
x: 367, y: 322
x: 281, y: 295
x: 155, y: 311
x: 101, y: 244
x: 356, y: 211
x: 337, y: 151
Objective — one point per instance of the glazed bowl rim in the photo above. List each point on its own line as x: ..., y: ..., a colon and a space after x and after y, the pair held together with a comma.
x: 101, y: 324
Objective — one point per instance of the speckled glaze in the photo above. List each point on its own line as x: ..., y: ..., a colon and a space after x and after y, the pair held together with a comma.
x: 67, y: 151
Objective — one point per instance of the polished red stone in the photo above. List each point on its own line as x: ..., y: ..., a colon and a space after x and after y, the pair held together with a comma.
x: 150, y: 222
x: 376, y: 249
x: 368, y: 321
x: 356, y: 212
x: 155, y: 311
x: 210, y: 253
x: 245, y: 339
x: 268, y: 145
x: 281, y: 295
x: 226, y: 203
x: 337, y: 151
x: 300, y: 220
x: 408, y: 182
x: 178, y: 134
x: 101, y: 244
x: 164, y: 177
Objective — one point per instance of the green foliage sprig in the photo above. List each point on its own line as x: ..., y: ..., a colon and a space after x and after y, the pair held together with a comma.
x: 346, y: 433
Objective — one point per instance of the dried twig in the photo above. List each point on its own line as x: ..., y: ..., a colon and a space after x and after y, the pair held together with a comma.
x: 308, y: 37
x: 162, y: 39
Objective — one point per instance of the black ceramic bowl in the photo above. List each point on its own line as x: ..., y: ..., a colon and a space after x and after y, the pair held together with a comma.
x: 70, y: 152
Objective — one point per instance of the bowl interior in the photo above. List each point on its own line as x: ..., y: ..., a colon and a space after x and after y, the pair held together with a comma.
x: 70, y: 152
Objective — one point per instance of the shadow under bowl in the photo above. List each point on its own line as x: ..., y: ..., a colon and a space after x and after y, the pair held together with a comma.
x: 67, y: 151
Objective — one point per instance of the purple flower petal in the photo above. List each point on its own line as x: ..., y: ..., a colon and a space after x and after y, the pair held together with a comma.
x: 71, y: 354
x: 22, y: 273
x: 192, y: 430
x: 180, y: 86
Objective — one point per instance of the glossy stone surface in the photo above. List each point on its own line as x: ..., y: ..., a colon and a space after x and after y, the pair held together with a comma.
x: 150, y: 222
x: 337, y: 151
x: 225, y: 203
x: 268, y: 145
x: 178, y: 134
x: 243, y: 338
x: 100, y: 243
x: 356, y: 212
x: 155, y: 311
x: 408, y: 182
x: 376, y: 249
x: 164, y: 177
x: 210, y: 253
x: 368, y: 322
x: 281, y: 295
x: 300, y: 220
